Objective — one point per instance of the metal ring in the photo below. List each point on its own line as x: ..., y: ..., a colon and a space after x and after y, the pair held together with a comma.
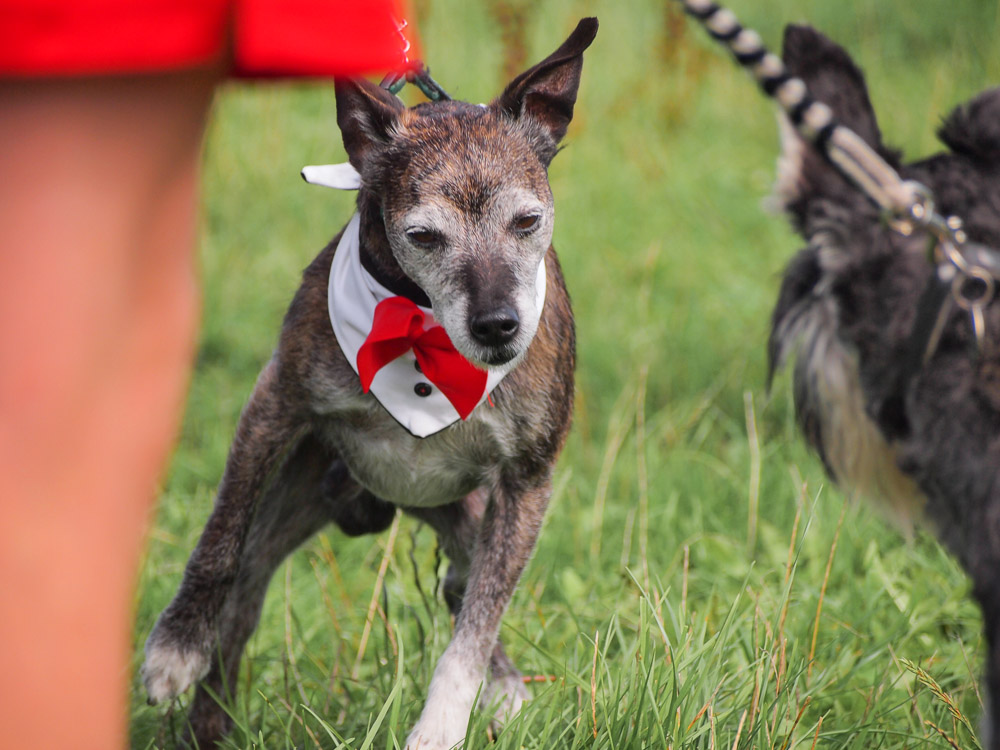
x: 960, y: 292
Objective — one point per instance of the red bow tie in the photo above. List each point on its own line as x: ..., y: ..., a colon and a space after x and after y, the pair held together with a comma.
x: 397, y: 327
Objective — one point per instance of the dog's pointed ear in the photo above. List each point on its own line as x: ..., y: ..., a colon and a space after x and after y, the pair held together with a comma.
x: 973, y: 129
x: 367, y: 116
x: 546, y: 93
x: 832, y: 78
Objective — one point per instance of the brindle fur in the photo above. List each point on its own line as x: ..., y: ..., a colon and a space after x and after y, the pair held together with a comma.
x: 310, y: 447
x: 847, y: 306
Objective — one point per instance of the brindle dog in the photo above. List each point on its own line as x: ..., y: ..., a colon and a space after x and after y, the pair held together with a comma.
x: 926, y: 440
x: 455, y: 213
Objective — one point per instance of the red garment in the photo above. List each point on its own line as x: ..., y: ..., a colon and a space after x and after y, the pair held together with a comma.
x: 266, y: 37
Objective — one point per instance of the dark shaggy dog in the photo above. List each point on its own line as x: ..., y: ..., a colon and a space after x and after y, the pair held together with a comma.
x: 926, y: 440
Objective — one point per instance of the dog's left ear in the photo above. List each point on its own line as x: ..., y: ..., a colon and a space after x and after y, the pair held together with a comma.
x: 546, y: 93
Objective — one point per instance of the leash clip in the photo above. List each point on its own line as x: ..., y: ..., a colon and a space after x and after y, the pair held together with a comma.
x: 915, y: 212
x: 971, y: 287
x: 412, y: 71
x: 973, y: 291
x: 420, y: 76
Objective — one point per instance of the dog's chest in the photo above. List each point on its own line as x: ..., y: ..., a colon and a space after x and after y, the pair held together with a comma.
x: 419, y: 472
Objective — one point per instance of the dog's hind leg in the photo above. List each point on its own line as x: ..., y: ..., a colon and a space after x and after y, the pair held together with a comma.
x: 505, y: 540
x: 179, y: 649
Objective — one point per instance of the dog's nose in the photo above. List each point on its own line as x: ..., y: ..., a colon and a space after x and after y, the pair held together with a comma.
x: 495, y: 327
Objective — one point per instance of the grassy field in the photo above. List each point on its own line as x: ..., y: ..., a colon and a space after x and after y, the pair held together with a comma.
x: 698, y: 582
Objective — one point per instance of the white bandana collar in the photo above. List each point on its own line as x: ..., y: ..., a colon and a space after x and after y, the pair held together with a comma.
x: 337, y: 176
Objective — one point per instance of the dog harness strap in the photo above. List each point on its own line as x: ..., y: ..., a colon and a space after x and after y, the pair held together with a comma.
x: 398, y: 327
x: 933, y: 311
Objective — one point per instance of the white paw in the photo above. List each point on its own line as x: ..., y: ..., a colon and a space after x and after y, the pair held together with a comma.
x: 441, y: 736
x: 442, y: 724
x: 169, y: 671
x: 504, y: 697
x: 450, y: 698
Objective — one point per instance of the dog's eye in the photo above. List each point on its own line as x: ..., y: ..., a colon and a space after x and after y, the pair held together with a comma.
x: 527, y: 223
x: 423, y: 237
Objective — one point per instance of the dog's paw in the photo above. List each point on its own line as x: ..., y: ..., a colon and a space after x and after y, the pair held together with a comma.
x: 437, y: 737
x: 169, y: 669
x: 451, y: 697
x: 442, y: 726
x: 504, y: 696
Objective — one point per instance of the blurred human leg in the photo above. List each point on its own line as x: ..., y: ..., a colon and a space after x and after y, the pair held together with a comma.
x: 98, y: 185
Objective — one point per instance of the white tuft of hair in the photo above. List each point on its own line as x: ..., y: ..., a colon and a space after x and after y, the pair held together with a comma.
x: 788, y: 183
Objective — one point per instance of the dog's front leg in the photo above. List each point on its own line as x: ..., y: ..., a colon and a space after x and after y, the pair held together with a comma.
x: 457, y: 526
x: 179, y: 649
x: 506, y: 540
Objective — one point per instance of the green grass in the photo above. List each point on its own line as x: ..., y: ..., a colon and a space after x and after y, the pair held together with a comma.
x: 698, y: 582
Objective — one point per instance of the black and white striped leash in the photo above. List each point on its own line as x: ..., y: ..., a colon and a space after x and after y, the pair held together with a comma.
x: 966, y: 274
